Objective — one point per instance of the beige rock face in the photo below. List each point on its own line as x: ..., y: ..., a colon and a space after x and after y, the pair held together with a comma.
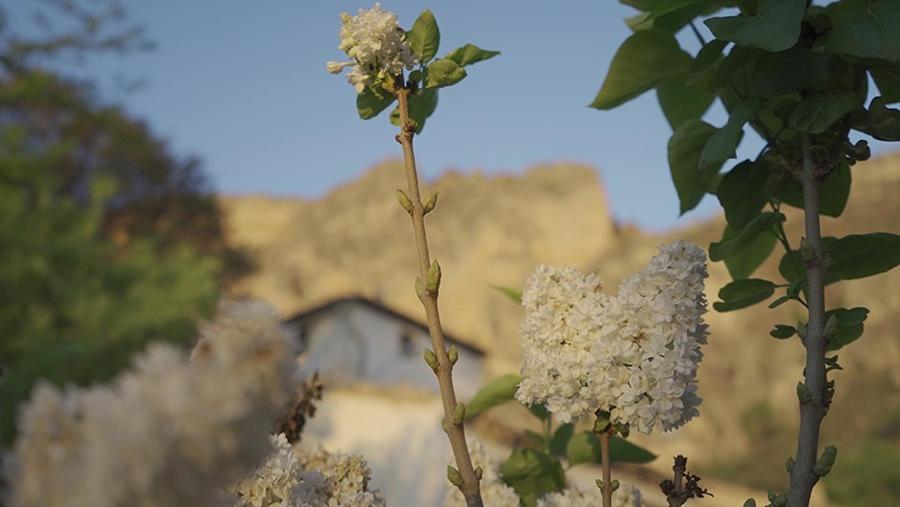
x: 495, y: 229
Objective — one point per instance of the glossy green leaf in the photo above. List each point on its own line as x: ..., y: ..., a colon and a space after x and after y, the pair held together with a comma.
x: 722, y: 145
x: 708, y: 56
x: 775, y: 27
x: 425, y: 38
x: 539, y: 411
x: 370, y: 103
x: 762, y: 224
x: 682, y: 100
x: 743, y: 192
x: 849, y: 326
x: 643, y: 60
x: 833, y: 192
x: 684, y: 150
x: 495, y: 393
x: 443, y: 72
x: 862, y: 255
x: 513, y: 294
x: 783, y: 332
x: 532, y: 474
x: 469, y: 54
x: 421, y: 106
x: 743, y: 293
x: 742, y: 264
x: 818, y: 112
x: 739, y: 63
x: 865, y: 29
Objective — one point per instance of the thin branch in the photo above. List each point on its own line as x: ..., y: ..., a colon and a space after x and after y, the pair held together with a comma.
x: 812, y: 410
x: 697, y: 33
x: 427, y: 290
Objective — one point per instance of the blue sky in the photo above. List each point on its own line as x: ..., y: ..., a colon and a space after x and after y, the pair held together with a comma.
x: 243, y: 85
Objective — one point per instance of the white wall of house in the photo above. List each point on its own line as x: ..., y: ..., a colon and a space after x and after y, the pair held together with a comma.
x: 355, y: 342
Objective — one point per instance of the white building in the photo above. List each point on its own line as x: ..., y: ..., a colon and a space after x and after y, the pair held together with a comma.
x: 354, y: 339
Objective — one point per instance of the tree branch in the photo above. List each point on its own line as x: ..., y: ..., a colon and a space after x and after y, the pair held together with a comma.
x: 428, y: 294
x: 812, y: 410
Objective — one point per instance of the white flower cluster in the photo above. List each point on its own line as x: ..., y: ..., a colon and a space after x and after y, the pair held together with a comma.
x: 168, y: 432
x: 495, y: 493
x: 293, y: 478
x: 376, y: 46
x: 634, y: 354
x: 624, y: 496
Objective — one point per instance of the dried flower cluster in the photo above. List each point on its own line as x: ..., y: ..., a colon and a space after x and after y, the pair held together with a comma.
x: 376, y: 45
x: 295, y: 478
x: 634, y: 354
x: 496, y: 493
x: 168, y: 432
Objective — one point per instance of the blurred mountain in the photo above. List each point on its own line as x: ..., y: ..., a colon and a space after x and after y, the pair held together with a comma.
x: 494, y: 229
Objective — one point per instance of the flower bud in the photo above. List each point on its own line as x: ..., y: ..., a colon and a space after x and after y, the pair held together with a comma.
x: 454, y: 476
x: 459, y: 413
x: 453, y: 354
x: 404, y: 201
x: 429, y: 203
x: 803, y: 393
x: 433, y: 277
x: 431, y: 359
x: 479, y: 473
x: 826, y: 461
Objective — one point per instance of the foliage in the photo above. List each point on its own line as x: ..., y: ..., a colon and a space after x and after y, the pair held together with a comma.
x: 108, y: 240
x: 797, y: 74
x: 75, y: 305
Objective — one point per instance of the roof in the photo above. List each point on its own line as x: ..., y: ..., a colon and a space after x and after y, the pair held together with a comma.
x: 316, y: 311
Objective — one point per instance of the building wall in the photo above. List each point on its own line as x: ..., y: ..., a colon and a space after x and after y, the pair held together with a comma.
x: 354, y: 342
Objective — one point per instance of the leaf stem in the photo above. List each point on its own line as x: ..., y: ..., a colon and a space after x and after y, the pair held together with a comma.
x: 452, y: 425
x: 803, y: 476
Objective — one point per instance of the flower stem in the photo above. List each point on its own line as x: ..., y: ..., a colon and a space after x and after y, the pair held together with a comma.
x: 803, y: 476
x: 443, y: 371
x: 607, y: 489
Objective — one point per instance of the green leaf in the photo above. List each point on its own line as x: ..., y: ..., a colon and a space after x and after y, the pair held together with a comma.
x: 469, y: 54
x: 708, y: 56
x: 849, y: 326
x: 532, y: 474
x: 775, y: 27
x: 783, y: 332
x: 862, y: 255
x: 682, y: 100
x: 560, y: 439
x: 763, y: 223
x: 684, y: 150
x: 780, y: 301
x: 788, y: 71
x: 888, y: 82
x: 865, y: 29
x: 443, y: 72
x: 792, y: 261
x: 672, y: 15
x: 743, y: 192
x: 643, y: 60
x: 742, y: 264
x: 514, y: 294
x: 879, y: 121
x: 370, y: 103
x: 818, y: 112
x: 421, y: 106
x: 743, y: 293
x: 833, y: 192
x: 538, y: 411
x: 722, y: 145
x: 425, y: 38
x: 739, y: 62
x: 495, y: 393
x: 584, y: 447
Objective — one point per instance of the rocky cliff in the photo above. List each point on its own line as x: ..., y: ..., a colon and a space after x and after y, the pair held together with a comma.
x: 493, y: 229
